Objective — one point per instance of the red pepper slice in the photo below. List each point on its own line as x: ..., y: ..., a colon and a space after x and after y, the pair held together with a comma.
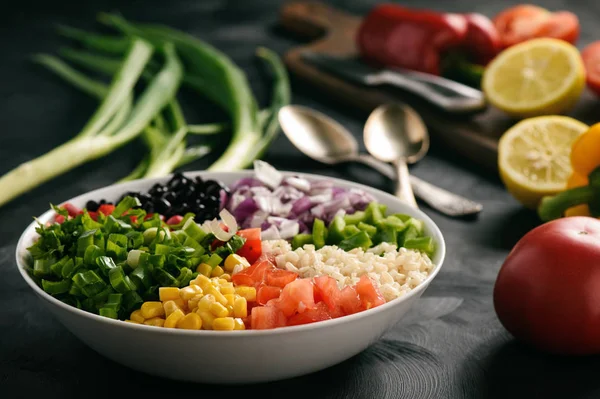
x: 414, y: 39
x: 482, y: 41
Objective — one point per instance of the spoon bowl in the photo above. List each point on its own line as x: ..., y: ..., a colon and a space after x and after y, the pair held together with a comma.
x: 395, y: 131
x: 317, y: 135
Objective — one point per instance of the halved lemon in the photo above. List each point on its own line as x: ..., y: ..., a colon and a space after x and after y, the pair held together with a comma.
x: 534, y: 157
x: 537, y: 77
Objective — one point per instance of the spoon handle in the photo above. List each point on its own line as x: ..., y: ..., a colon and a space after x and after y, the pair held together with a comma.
x: 403, y: 185
x: 439, y: 199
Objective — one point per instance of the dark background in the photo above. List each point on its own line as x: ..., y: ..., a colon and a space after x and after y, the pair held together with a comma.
x: 451, y: 347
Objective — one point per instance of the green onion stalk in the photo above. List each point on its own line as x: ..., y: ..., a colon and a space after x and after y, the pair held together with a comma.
x: 114, y: 123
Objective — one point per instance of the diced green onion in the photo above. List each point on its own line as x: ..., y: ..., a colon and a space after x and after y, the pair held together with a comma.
x: 193, y: 230
x: 91, y: 254
x: 135, y: 239
x: 214, y: 260
x: 89, y: 282
x: 185, y: 276
x: 125, y: 204
x: 131, y: 301
x: 105, y: 264
x: 115, y: 251
x: 141, y: 277
x: 108, y: 312
x: 70, y: 268
x: 119, y: 239
x: 161, y: 249
x: 43, y: 267
x: 56, y: 287
x: 164, y: 278
x: 58, y: 266
x: 133, y: 258
x: 85, y: 240
x: 114, y: 225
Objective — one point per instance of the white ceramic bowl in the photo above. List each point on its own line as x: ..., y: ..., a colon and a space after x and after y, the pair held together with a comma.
x: 236, y: 356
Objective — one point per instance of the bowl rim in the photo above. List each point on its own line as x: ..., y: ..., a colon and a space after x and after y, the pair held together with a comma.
x: 430, y: 225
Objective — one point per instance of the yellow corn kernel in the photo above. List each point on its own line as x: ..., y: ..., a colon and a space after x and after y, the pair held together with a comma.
x: 152, y: 309
x: 181, y: 304
x: 155, y: 321
x: 226, y: 277
x: 170, y: 307
x: 227, y: 288
x: 224, y: 324
x: 239, y: 324
x: 218, y: 310
x: 193, y: 303
x: 174, y: 318
x: 240, y: 307
x: 189, y: 292
x: 233, y: 260
x: 201, y: 281
x: 218, y: 296
x: 230, y: 310
x: 217, y: 271
x: 207, y: 319
x: 204, y: 269
x: 205, y: 302
x: 247, y: 292
x: 190, y: 321
x: 136, y: 315
x: 230, y: 299
x: 168, y: 293
x: 134, y: 322
x: 222, y: 281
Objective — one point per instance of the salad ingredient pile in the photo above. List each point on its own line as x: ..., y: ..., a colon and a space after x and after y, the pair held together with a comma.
x: 129, y: 262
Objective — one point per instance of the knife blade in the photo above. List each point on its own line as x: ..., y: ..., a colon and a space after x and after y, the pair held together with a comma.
x: 451, y: 96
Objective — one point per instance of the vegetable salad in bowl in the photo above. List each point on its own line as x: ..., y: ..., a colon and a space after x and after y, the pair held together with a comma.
x: 268, y: 251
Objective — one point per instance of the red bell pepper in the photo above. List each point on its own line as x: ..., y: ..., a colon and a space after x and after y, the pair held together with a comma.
x: 414, y: 39
x: 482, y: 42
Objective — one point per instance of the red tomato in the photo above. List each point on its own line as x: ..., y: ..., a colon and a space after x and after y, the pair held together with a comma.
x: 265, y: 293
x: 266, y: 317
x: 519, y: 23
x: 280, y: 278
x: 297, y: 296
x: 482, y: 41
x: 93, y: 215
x: 369, y: 294
x: 591, y: 59
x: 253, y: 275
x: 319, y: 313
x: 175, y: 219
x: 563, y: 25
x: 60, y: 219
x: 250, y: 234
x: 349, y: 301
x: 106, y: 209
x: 328, y: 290
x: 252, y: 248
x: 71, y: 209
x: 547, y: 293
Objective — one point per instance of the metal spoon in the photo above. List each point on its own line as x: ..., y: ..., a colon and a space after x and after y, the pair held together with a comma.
x: 396, y: 133
x: 323, y: 139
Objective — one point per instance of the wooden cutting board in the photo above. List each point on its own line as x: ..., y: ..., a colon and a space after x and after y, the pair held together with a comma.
x: 474, y: 137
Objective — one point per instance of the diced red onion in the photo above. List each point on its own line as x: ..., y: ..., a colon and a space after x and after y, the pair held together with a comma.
x: 301, y: 205
x: 267, y: 174
x: 244, y: 209
x: 270, y: 234
x: 299, y: 183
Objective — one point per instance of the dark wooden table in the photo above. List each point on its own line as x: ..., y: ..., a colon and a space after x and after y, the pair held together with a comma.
x: 452, y: 346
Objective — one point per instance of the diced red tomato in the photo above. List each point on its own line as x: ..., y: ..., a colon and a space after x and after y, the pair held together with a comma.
x: 71, y: 209
x: 93, y: 215
x: 267, y: 317
x: 369, y: 294
x: 133, y: 218
x: 296, y: 297
x: 60, y: 219
x: 280, y: 278
x: 250, y: 234
x: 265, y: 293
x: 252, y: 248
x: 349, y: 302
x: 328, y: 290
x: 563, y: 25
x: 106, y: 209
x: 519, y: 23
x: 176, y: 219
x: 319, y: 313
x: 253, y: 275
